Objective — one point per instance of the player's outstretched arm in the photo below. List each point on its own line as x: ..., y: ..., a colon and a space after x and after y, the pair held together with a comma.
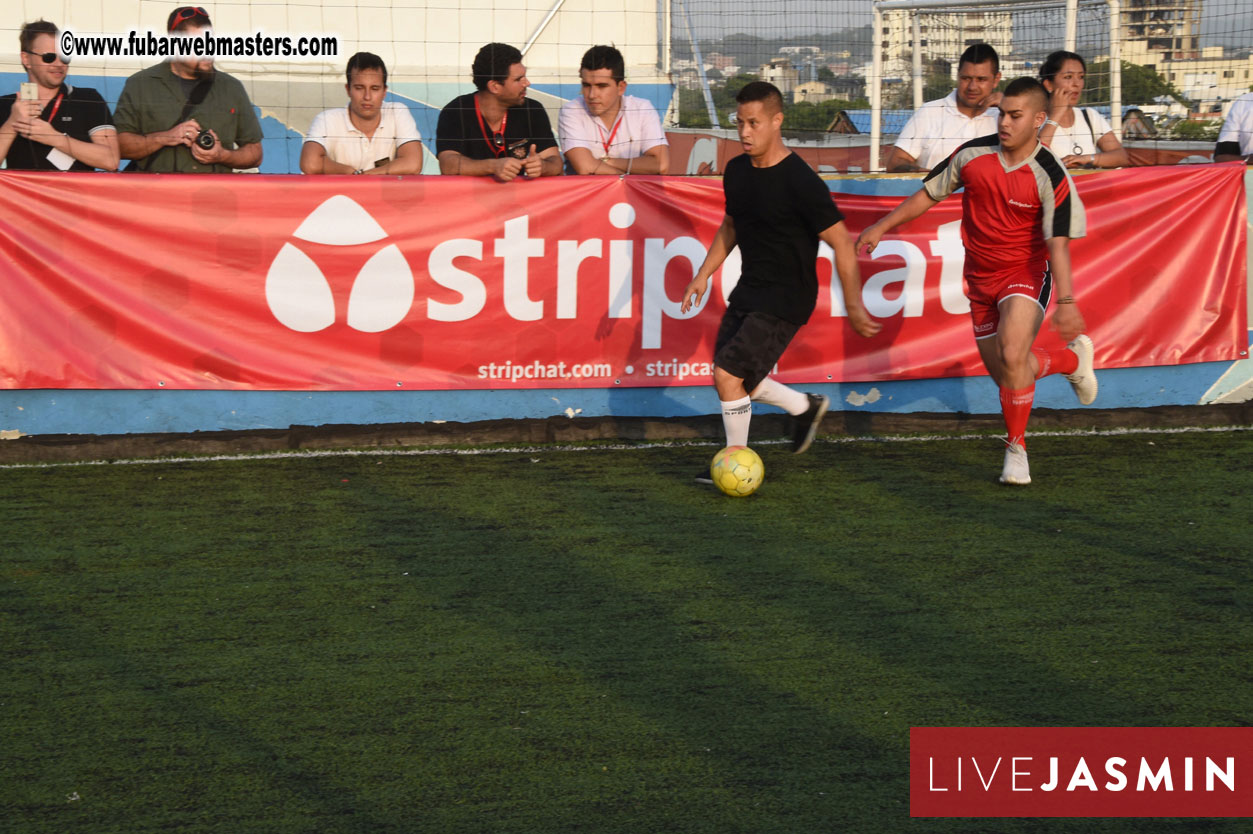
x: 1067, y: 320
x: 911, y: 207
x: 838, y: 238
x: 723, y: 243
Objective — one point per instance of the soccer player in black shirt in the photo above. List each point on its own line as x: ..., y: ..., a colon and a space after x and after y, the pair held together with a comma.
x: 777, y: 209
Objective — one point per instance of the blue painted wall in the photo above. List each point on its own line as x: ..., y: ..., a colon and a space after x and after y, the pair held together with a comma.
x: 124, y: 412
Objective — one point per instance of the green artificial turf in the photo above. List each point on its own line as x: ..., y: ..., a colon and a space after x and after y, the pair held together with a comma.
x: 561, y: 641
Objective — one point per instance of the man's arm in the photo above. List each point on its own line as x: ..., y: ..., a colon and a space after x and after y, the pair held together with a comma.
x: 546, y: 163
x: 910, y: 208
x: 838, y: 239
x: 408, y: 161
x: 504, y: 168
x: 141, y: 145
x: 723, y: 243
x: 100, y: 152
x: 1230, y: 152
x: 1067, y: 320
x: 655, y: 160
x: 245, y: 156
x: 315, y: 160
x: 901, y: 162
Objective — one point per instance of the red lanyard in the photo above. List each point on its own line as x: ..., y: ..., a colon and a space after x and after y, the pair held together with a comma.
x: 504, y: 120
x: 56, y: 105
x: 608, y: 143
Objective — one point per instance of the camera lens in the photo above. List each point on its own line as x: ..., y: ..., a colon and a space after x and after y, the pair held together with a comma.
x: 205, y: 139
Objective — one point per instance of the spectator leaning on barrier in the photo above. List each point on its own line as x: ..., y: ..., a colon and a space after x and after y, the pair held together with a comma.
x: 370, y: 135
x: 938, y: 127
x: 605, y: 131
x: 184, y: 115
x: 497, y: 131
x: 1235, y: 140
x: 1081, y: 136
x: 62, y: 128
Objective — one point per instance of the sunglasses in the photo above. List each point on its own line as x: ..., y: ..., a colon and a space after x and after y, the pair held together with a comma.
x: 186, y: 13
x: 48, y: 57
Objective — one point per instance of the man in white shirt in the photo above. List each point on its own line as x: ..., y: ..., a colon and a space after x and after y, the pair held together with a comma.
x: 938, y: 127
x: 1235, y: 140
x: 370, y: 135
x: 605, y: 131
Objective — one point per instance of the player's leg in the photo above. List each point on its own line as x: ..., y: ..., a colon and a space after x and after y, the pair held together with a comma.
x: 1009, y: 359
x: 770, y: 337
x: 737, y: 408
x: 806, y: 409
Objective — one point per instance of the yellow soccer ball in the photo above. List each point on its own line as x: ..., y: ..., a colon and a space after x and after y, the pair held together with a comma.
x: 737, y: 471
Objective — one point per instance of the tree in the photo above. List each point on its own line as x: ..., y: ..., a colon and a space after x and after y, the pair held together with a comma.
x: 1140, y: 85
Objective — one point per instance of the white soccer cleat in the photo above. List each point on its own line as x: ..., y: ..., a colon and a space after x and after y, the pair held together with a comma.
x: 1083, y: 380
x: 1015, y: 470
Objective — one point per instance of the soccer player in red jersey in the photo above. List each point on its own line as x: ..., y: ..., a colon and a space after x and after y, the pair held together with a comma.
x: 1019, y: 212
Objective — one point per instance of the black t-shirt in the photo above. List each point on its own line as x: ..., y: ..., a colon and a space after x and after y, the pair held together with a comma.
x: 81, y: 111
x: 458, y: 129
x: 778, y: 213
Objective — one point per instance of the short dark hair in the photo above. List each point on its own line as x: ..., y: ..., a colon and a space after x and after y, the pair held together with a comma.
x: 1053, y: 63
x: 981, y: 53
x: 366, y: 61
x: 185, y: 16
x: 492, y: 63
x: 1028, y: 86
x: 603, y: 57
x: 32, y: 30
x: 764, y: 92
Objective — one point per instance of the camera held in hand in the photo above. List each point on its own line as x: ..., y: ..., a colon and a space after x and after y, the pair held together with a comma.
x: 205, y: 139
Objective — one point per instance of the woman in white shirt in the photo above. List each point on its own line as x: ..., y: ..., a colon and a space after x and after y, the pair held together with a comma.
x: 1081, y: 136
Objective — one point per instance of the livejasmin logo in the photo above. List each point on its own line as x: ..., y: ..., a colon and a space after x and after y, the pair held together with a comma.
x: 1080, y: 771
x: 300, y: 297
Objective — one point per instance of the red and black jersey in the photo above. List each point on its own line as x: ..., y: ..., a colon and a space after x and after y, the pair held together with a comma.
x: 1008, y: 213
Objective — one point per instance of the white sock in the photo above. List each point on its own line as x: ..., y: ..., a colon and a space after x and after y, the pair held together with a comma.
x: 735, y: 417
x: 790, y: 400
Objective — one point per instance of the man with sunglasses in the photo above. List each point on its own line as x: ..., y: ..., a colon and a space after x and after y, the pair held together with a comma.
x: 497, y: 131
x: 167, y: 114
x: 64, y: 128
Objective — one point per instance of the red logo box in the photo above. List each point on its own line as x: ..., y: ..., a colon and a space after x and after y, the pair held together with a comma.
x: 1081, y: 771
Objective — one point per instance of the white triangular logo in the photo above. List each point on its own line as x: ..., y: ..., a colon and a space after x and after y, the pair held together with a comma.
x: 383, y: 292
x: 340, y: 221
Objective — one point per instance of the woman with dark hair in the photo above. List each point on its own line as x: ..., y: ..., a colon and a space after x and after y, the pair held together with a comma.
x: 1081, y: 136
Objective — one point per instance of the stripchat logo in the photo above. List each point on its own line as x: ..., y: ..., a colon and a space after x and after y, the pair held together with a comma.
x: 299, y: 295
x: 1081, y: 771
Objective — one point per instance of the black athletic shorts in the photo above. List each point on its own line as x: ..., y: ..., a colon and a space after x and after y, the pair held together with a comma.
x: 749, y: 344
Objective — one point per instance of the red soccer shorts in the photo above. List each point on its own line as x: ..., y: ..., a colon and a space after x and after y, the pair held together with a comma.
x: 986, y: 295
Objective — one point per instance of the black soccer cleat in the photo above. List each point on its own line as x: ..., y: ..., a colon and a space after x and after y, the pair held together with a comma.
x: 703, y: 477
x: 805, y: 426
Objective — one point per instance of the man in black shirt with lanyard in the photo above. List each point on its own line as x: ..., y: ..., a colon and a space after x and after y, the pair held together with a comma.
x: 63, y: 128
x: 497, y: 131
x: 777, y: 209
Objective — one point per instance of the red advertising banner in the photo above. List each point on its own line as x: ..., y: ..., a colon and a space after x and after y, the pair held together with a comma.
x: 1080, y: 771
x: 364, y: 283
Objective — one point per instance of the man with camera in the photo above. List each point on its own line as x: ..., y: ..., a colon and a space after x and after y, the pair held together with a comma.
x: 184, y: 116
x: 497, y: 131
x: 370, y: 135
x: 50, y: 125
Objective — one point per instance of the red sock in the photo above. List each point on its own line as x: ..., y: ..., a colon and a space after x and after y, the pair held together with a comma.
x: 1016, y: 406
x: 1059, y: 361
